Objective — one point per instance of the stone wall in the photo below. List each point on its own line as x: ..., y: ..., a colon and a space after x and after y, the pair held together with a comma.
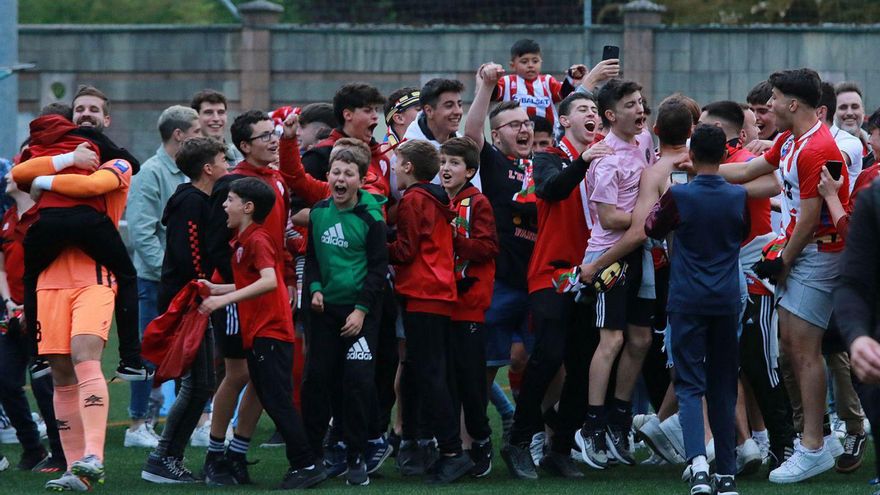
x: 147, y: 68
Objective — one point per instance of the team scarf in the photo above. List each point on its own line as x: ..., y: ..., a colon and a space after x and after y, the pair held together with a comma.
x: 462, y: 226
x: 572, y: 154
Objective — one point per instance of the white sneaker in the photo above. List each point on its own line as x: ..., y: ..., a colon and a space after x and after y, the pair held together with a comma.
x: 201, y: 436
x: 152, y: 430
x: 536, y: 447
x: 4, y: 463
x: 654, y: 460
x: 802, y: 465
x: 7, y: 433
x: 833, y: 445
x: 838, y: 426
x: 651, y: 434
x: 748, y: 457
x: 639, y: 420
x: 671, y: 429
x: 141, y: 437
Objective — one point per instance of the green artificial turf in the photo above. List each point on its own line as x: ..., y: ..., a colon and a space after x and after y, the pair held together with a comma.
x: 124, y: 465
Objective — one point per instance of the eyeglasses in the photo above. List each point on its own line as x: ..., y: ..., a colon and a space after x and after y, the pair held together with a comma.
x: 518, y: 124
x: 266, y: 136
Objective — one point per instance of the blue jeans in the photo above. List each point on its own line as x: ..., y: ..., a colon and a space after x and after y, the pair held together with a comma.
x: 139, y: 406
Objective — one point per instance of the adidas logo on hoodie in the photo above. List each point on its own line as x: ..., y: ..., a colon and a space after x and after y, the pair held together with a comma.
x: 359, y: 351
x: 334, y: 236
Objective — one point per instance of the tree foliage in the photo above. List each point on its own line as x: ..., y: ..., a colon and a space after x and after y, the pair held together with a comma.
x: 429, y: 12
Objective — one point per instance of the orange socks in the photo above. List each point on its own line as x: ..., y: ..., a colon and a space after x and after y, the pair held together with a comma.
x: 94, y: 402
x: 70, y: 425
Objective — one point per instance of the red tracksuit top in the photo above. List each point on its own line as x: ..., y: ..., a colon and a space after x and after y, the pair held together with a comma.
x: 476, y: 246
x: 422, y: 254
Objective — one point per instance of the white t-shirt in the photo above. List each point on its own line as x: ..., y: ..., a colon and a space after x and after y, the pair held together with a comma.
x: 851, y: 147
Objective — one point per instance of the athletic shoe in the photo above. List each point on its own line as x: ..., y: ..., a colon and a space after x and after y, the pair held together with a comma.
x: 7, y: 433
x: 671, y: 428
x: 69, y: 482
x: 335, y: 459
x: 217, y: 471
x: 617, y: 442
x: 725, y: 485
x: 410, y: 459
x: 39, y: 368
x: 356, y: 474
x: 537, y: 447
x: 140, y: 437
x: 166, y: 470
x: 592, y: 447
x: 640, y: 420
x: 654, y: 460
x: 853, y: 451
x: 238, y: 466
x: 560, y: 465
x: 833, y: 446
x: 701, y: 483
x: 519, y: 462
x: 748, y: 458
x: 779, y: 456
x: 30, y: 459
x: 303, y: 477
x: 802, y: 465
x: 201, y: 436
x: 482, y: 457
x: 430, y: 454
x: 133, y: 372
x: 506, y: 428
x: 838, y: 427
x: 274, y: 441
x: 449, y: 469
x: 377, y: 452
x: 654, y: 437
x: 51, y: 464
x: 4, y: 463
x: 764, y: 447
x: 89, y: 467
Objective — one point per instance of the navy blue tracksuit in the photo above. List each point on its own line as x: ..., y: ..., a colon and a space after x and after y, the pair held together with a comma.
x: 709, y: 219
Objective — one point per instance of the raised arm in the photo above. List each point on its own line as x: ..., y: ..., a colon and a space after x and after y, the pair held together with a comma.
x: 486, y: 79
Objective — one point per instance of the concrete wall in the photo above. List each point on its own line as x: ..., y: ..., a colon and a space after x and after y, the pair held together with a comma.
x: 147, y: 68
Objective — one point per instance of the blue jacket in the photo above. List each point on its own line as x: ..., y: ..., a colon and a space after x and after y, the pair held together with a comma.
x: 709, y: 219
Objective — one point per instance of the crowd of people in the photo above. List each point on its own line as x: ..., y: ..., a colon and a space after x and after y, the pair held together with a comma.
x: 671, y: 284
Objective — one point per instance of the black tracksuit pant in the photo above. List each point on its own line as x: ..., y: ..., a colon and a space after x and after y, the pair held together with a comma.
x: 94, y: 233
x: 766, y: 381
x: 562, y: 336
x: 342, y: 366
x: 467, y: 357
x: 427, y: 375
x: 270, y: 362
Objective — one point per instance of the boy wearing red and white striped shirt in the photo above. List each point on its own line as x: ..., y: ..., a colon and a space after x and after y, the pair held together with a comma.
x: 536, y: 92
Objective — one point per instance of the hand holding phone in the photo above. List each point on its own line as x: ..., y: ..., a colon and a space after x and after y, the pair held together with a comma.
x: 835, y: 168
x: 610, y: 52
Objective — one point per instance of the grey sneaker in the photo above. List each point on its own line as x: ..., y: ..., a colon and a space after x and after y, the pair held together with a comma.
x: 89, y: 467
x: 519, y: 462
x: 68, y: 482
x: 592, y: 447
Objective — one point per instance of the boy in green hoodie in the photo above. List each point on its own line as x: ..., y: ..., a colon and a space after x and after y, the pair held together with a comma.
x: 346, y: 264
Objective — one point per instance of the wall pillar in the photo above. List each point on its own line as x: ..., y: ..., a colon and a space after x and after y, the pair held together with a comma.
x: 640, y: 18
x: 257, y: 18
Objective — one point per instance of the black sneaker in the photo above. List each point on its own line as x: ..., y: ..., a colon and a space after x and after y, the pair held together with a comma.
x: 725, y: 485
x: 481, y: 454
x: 561, y: 465
x: 377, y: 452
x: 617, y: 441
x: 356, y: 475
x: 430, y: 454
x: 410, y: 459
x: 238, y: 466
x: 29, y: 460
x: 274, y: 441
x: 134, y: 372
x: 449, y: 469
x: 166, y: 470
x: 394, y: 441
x: 701, y: 483
x: 335, y: 459
x: 519, y: 462
x: 39, y: 368
x: 853, y: 451
x: 303, y: 477
x: 51, y: 464
x: 217, y: 471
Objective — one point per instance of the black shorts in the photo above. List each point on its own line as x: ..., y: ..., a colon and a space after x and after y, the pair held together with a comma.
x: 621, y: 306
x: 227, y: 332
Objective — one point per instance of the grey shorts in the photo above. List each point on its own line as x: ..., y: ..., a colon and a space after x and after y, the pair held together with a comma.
x: 807, y: 292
